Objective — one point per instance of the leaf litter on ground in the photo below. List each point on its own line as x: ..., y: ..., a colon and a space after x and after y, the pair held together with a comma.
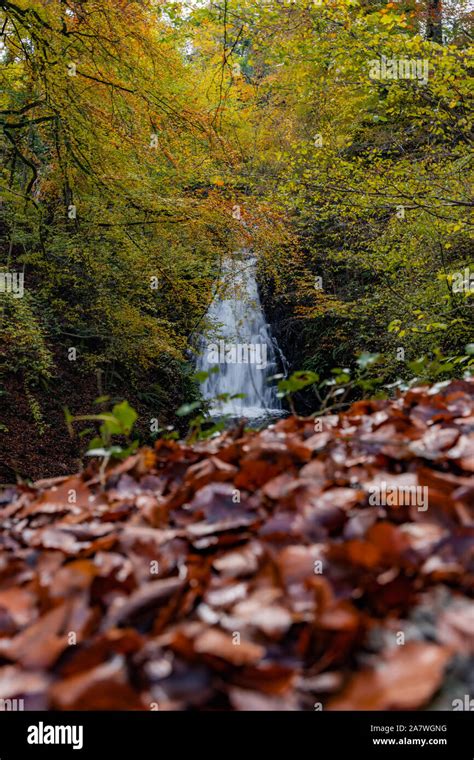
x: 252, y: 571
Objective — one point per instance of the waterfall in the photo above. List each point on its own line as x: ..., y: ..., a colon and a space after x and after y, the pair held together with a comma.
x: 240, y: 344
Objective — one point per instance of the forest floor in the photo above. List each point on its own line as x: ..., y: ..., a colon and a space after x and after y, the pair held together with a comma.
x: 33, y: 449
x: 312, y: 565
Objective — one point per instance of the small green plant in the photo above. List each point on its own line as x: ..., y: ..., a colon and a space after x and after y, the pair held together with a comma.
x: 334, y: 392
x: 428, y: 368
x: 35, y: 409
x: 287, y: 386
x: 117, y: 423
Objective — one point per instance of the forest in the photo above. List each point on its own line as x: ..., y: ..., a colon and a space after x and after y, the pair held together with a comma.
x: 236, y: 298
x: 132, y: 136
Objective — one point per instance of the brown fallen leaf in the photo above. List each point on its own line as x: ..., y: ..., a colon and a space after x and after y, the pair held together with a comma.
x: 264, y: 611
x: 405, y: 679
x: 69, y: 495
x: 240, y: 562
x: 237, y: 652
x: 39, y: 645
x: 147, y: 597
x: 243, y: 699
x: 456, y: 627
x: 17, y: 609
x: 103, y: 688
x: 15, y: 682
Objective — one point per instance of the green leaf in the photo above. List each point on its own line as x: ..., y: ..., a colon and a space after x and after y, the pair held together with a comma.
x: 111, y: 426
x: 342, y: 378
x: 126, y: 416
x: 296, y: 382
x: 96, y: 443
x: 68, y: 417
x: 186, y: 409
x: 214, y: 429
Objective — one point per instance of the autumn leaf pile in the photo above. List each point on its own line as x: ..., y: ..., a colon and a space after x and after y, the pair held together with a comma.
x: 251, y: 571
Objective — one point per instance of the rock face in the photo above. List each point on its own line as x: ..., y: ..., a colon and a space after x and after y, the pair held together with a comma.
x: 287, y: 569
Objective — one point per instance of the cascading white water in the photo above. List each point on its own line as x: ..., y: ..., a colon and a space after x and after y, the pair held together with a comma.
x: 239, y: 343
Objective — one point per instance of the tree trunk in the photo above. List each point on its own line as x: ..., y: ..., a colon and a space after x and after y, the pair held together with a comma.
x: 434, y: 27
